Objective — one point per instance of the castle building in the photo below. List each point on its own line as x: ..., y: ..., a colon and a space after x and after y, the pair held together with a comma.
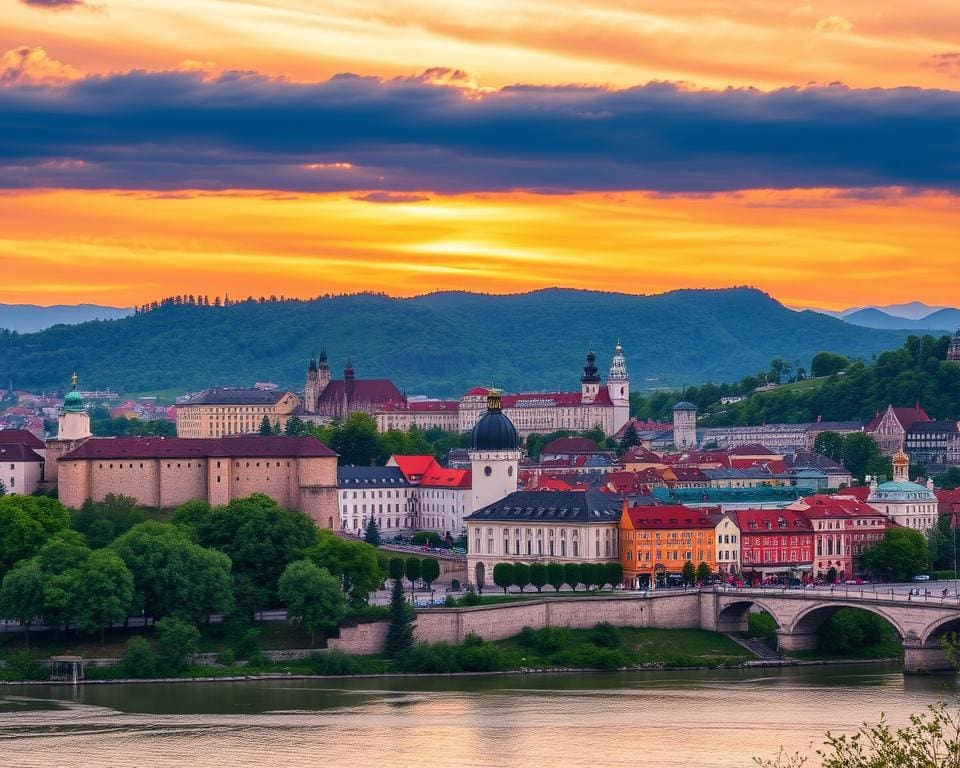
x: 684, y: 425
x: 597, y: 403
x: 904, y: 502
x: 73, y: 429
x: 299, y: 473
x: 225, y: 411
x: 889, y: 429
x: 338, y: 398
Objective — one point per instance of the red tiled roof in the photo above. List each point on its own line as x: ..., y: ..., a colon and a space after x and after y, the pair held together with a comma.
x: 376, y: 391
x: 551, y: 484
x: 669, y: 516
x: 639, y: 454
x: 756, y: 520
x: 477, y: 392
x: 859, y: 492
x: 906, y: 416
x: 18, y: 452
x: 252, y: 446
x: 822, y: 505
x: 752, y: 449
x: 24, y: 436
x: 564, y: 399
x: 442, y: 477
x: 413, y: 467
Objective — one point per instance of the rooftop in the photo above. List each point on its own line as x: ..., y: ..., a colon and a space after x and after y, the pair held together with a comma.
x: 590, y: 506
x: 236, y: 396
x: 244, y: 446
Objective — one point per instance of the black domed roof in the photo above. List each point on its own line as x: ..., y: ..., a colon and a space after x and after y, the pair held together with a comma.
x: 494, y: 431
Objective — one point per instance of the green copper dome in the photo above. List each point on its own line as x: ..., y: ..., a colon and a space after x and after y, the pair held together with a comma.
x: 73, y: 402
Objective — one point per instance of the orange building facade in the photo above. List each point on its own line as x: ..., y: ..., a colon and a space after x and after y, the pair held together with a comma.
x: 655, y: 542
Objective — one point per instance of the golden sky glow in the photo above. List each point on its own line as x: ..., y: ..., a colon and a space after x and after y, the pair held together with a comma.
x: 811, y: 248
x: 815, y: 247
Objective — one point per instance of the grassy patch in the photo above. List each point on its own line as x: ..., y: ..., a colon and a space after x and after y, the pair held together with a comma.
x: 762, y: 627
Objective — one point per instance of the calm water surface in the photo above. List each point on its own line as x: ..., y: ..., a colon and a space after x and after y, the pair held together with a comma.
x: 704, y: 719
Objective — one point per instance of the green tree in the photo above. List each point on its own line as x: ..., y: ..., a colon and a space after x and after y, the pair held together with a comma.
x: 828, y: 363
x: 104, y: 592
x: 354, y: 563
x: 266, y: 428
x: 571, y: 575
x: 949, y: 479
x: 356, y: 441
x: 503, y: 576
x: 26, y: 523
x: 313, y: 597
x: 630, y: 438
x: 703, y: 573
x: 172, y: 574
x: 588, y: 575
x: 898, y: 556
x: 296, y: 427
x: 139, y: 660
x: 521, y: 575
x: 396, y: 568
x: 400, y: 629
x: 372, y: 534
x: 21, y: 595
x: 613, y: 573
x: 859, y: 451
x: 177, y: 640
x: 192, y: 514
x: 829, y: 444
x: 555, y: 576
x: 261, y: 539
x: 689, y: 573
x: 538, y: 575
x: 430, y: 571
x: 411, y: 569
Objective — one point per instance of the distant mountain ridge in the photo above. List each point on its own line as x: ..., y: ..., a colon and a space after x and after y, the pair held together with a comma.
x: 439, y: 344
x: 28, y: 318
x: 871, y: 317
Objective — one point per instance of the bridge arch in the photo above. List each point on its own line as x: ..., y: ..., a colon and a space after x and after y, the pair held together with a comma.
x: 732, y: 615
x: 934, y: 632
x: 804, y: 632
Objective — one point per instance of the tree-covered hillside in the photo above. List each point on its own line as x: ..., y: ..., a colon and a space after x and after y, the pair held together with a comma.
x: 439, y: 344
x: 917, y: 371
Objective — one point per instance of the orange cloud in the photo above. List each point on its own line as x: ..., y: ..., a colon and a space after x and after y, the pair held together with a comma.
x: 828, y: 248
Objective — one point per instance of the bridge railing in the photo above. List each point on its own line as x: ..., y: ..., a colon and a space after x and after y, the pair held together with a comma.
x: 866, y: 594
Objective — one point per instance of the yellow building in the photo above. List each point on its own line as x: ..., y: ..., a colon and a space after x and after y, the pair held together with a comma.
x: 224, y: 412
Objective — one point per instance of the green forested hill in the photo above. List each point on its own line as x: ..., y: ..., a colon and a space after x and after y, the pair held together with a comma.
x: 439, y: 344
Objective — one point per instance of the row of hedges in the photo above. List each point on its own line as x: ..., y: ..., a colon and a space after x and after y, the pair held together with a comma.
x: 539, y: 575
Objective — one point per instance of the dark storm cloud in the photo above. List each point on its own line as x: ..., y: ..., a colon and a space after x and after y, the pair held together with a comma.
x: 176, y: 130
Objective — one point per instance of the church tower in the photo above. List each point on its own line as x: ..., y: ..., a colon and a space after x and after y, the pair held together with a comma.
x: 311, y: 392
x: 73, y: 422
x: 590, y: 381
x: 684, y: 425
x: 618, y: 387
x: 494, y: 455
x: 323, y: 371
x: 901, y: 467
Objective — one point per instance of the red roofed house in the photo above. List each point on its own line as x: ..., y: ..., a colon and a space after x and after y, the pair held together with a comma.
x: 21, y: 461
x: 606, y: 405
x: 443, y: 495
x: 775, y: 544
x: 843, y: 527
x: 889, y: 429
x: 656, y: 542
x: 299, y: 473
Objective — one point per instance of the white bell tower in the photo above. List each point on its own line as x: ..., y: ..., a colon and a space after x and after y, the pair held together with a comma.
x: 494, y: 456
x: 618, y: 387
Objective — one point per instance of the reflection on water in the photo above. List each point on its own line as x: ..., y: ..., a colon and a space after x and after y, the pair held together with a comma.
x: 708, y: 719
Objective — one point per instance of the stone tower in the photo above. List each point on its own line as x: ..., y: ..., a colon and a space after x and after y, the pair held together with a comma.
x: 311, y: 392
x: 684, y: 425
x: 73, y: 422
x: 323, y: 371
x: 590, y: 381
x: 618, y: 386
x: 494, y: 455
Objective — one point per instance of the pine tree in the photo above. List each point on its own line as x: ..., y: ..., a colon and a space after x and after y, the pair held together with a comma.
x: 372, y: 534
x: 265, y: 426
x: 400, y: 631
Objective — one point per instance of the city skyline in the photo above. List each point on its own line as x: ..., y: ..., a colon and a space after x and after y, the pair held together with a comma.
x: 304, y: 148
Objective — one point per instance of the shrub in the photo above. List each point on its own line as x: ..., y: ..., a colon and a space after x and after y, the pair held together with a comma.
x: 471, y: 598
x: 455, y: 585
x: 245, y: 644
x: 177, y: 640
x: 139, y: 660
x: 552, y: 639
x: 228, y: 658
x: 606, y: 635
x: 438, y: 658
x: 590, y: 658
x: 333, y: 663
x: 473, y: 640
x: 450, y: 601
x: 427, y: 538
x: 484, y: 657
x: 26, y: 667
x: 527, y: 637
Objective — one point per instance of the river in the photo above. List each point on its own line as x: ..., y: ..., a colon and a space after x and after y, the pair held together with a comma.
x: 640, y: 719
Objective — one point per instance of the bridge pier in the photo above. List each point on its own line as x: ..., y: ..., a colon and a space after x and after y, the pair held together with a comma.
x: 797, y: 641
x: 919, y: 660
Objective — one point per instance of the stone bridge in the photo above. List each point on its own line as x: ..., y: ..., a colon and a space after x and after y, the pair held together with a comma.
x: 921, y: 621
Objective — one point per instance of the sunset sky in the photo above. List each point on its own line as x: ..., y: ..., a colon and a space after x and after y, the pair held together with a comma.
x: 302, y: 147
